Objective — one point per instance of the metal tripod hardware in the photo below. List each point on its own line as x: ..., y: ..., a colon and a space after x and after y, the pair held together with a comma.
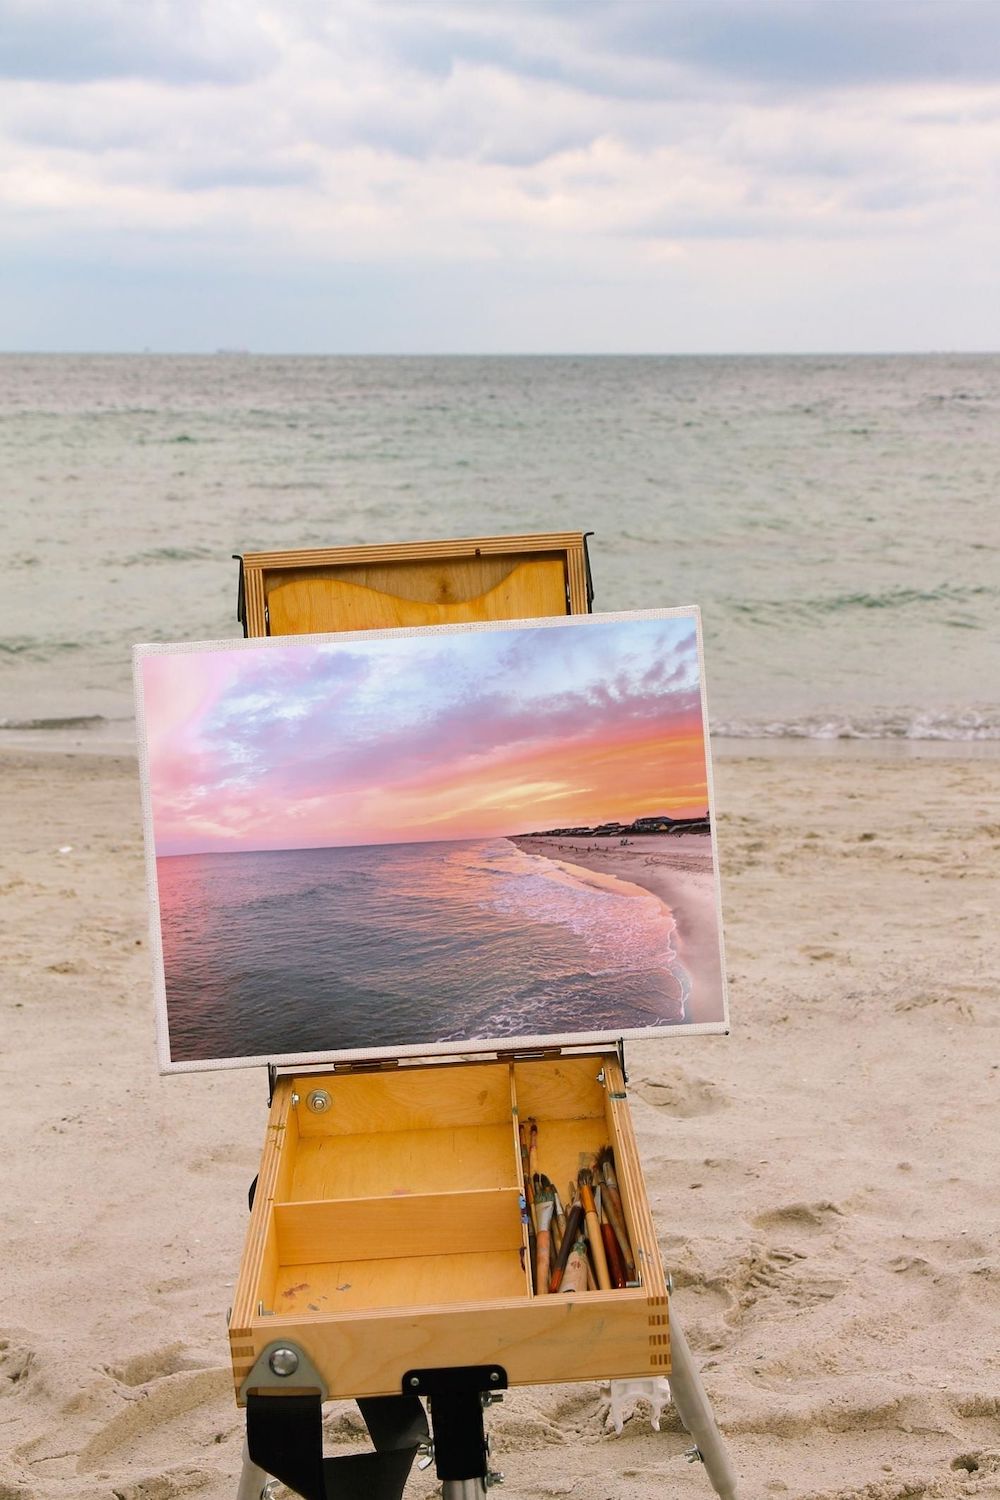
x: 457, y: 1397
x: 284, y: 1394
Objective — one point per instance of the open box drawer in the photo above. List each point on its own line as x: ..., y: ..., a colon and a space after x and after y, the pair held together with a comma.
x: 387, y: 1233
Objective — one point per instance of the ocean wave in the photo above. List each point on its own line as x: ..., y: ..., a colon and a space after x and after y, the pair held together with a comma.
x: 168, y: 554
x: 33, y: 648
x: 961, y: 726
x: 621, y: 929
x: 73, y: 721
x: 773, y: 611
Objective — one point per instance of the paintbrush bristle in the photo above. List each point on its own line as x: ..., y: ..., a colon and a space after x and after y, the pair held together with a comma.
x: 606, y: 1155
x: 585, y: 1177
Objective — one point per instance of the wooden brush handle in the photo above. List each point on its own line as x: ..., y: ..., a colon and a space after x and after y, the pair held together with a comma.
x: 594, y: 1238
x: 543, y: 1251
x: 575, y: 1279
x: 616, y: 1266
x: 611, y: 1198
x: 573, y: 1219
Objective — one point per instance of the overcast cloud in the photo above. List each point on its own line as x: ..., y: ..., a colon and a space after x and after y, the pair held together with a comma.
x: 297, y: 174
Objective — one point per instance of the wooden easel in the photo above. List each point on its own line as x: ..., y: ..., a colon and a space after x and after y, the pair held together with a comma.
x: 365, y: 588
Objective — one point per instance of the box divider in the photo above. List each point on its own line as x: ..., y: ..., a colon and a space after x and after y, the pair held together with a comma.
x: 399, y: 1227
x: 515, y: 1121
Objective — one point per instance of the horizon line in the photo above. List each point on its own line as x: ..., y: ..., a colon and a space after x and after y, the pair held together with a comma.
x: 239, y: 353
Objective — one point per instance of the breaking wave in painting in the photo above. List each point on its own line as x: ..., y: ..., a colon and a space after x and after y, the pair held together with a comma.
x: 278, y: 952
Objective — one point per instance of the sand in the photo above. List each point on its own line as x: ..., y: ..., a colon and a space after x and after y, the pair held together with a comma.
x: 824, y: 1180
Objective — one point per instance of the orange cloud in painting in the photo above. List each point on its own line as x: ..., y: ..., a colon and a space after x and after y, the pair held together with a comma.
x: 450, y: 736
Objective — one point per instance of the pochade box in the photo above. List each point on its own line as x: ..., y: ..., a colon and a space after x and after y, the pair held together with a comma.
x: 435, y: 878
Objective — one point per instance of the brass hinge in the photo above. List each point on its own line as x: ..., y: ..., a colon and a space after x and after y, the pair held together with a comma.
x: 529, y: 1054
x: 366, y: 1065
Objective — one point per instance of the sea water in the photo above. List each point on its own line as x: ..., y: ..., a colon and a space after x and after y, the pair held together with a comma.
x: 836, y: 519
x: 390, y: 945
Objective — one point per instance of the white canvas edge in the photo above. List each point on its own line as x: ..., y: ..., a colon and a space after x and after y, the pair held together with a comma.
x: 428, y: 1049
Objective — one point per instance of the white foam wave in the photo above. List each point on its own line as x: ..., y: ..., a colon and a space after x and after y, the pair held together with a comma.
x: 959, y: 726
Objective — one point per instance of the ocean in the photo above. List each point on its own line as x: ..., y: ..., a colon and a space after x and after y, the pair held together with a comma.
x: 392, y: 945
x: 836, y: 519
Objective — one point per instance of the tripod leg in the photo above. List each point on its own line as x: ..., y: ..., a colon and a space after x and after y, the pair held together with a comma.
x: 252, y: 1479
x: 695, y: 1412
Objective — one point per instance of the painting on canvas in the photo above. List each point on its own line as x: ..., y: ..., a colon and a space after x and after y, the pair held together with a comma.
x: 444, y: 839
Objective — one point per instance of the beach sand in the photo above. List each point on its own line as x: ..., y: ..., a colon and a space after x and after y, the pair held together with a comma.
x: 677, y: 869
x: 824, y: 1180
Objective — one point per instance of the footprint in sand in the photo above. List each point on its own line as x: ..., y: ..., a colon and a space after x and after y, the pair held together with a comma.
x: 142, y: 1368
x: 184, y: 1479
x: 807, y: 1216
x: 16, y: 1360
x: 192, y: 1395
x: 681, y: 1094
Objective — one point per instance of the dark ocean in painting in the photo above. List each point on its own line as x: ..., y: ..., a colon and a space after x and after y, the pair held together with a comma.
x: 318, y: 950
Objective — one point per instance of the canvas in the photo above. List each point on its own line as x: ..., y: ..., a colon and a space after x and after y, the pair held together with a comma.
x: 409, y: 842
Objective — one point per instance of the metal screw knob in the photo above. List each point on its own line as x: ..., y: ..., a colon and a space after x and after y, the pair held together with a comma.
x: 318, y: 1101
x: 493, y: 1476
x: 284, y: 1361
x: 426, y: 1451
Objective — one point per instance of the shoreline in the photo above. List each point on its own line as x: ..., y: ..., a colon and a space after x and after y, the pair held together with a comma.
x: 111, y: 739
x: 677, y: 869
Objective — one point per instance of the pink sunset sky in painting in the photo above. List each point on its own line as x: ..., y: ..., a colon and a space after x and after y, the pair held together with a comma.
x: 436, y: 735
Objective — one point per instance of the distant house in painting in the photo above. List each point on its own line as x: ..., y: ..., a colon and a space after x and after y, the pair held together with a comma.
x: 664, y: 823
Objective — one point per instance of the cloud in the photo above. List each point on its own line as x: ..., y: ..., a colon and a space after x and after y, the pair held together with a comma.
x: 426, y: 729
x: 180, y: 42
x: 529, y: 176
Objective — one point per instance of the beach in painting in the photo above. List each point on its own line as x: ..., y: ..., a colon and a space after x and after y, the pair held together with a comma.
x: 677, y: 871
x: 343, y: 855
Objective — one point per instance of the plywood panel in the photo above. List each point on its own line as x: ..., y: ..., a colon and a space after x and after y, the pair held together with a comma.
x: 310, y: 605
x: 342, y: 1286
x: 564, y: 1146
x: 276, y: 1160
x: 586, y: 1336
x: 397, y: 1228
x: 419, y: 1161
x: 407, y: 1099
x: 469, y: 567
x: 559, y: 1088
x: 639, y: 1220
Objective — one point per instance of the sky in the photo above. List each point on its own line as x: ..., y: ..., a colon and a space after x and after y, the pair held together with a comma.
x: 469, y: 176
x: 411, y: 738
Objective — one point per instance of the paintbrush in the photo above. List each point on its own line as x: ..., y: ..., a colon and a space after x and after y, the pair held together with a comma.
x: 612, y: 1250
x: 526, y: 1221
x: 532, y: 1147
x: 574, y: 1223
x: 575, y: 1279
x: 545, y: 1203
x: 558, y: 1223
x: 585, y: 1178
x: 529, y: 1194
x: 612, y: 1200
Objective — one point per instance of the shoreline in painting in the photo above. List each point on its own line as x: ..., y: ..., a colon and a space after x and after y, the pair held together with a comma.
x: 676, y: 868
x: 403, y: 946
